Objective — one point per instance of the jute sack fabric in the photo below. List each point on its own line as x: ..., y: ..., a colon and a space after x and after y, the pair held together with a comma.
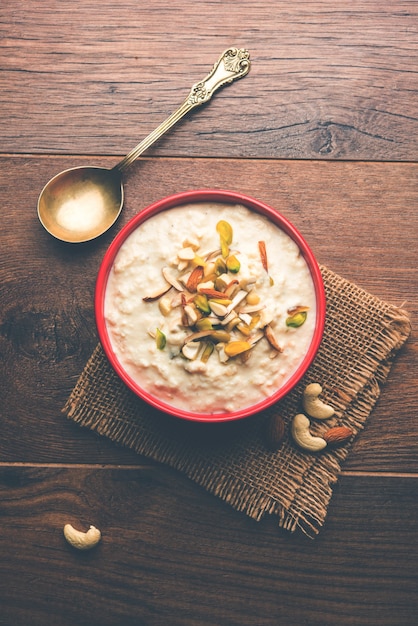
x: 231, y: 460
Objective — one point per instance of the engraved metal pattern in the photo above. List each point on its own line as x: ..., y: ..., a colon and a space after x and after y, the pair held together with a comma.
x: 232, y: 64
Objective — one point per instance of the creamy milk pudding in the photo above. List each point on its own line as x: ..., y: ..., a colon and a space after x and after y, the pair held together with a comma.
x: 210, y: 307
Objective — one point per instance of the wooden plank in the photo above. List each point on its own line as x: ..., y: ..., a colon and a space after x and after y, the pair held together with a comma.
x: 329, y: 80
x: 359, y: 218
x: 172, y: 554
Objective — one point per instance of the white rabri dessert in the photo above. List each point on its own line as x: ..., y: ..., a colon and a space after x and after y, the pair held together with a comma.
x: 210, y: 307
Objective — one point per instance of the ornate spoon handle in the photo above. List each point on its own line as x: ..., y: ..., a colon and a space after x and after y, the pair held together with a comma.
x: 233, y: 63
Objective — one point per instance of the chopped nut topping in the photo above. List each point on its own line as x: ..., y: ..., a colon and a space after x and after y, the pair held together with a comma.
x: 160, y: 339
x: 218, y: 303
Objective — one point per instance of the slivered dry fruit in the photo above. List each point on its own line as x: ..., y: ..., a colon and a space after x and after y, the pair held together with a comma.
x: 297, y: 319
x: 225, y: 235
x: 217, y: 305
x: 212, y: 293
x: 270, y: 336
x: 263, y: 255
x: 160, y: 339
x: 224, y: 229
x: 233, y: 348
x: 220, y: 266
x: 207, y: 351
x: 194, y: 279
x: 264, y: 261
x: 233, y: 264
x: 204, y: 324
x: 201, y: 302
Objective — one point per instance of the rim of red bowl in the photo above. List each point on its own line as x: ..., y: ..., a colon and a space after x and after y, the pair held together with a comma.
x: 209, y: 195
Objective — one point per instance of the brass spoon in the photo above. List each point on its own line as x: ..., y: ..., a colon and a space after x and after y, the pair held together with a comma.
x: 82, y: 203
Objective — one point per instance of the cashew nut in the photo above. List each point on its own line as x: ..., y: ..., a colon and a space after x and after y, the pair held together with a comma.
x: 80, y: 540
x: 313, y: 406
x: 302, y: 436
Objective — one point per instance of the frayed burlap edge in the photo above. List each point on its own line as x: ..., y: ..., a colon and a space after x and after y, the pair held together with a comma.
x: 293, y: 485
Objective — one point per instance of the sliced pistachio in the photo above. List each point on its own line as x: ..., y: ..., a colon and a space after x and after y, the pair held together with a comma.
x: 160, y: 339
x: 220, y: 336
x: 220, y: 266
x: 201, y: 302
x: 204, y: 324
x: 233, y: 264
x: 224, y: 248
x: 224, y: 301
x: 224, y: 229
x: 294, y: 321
x: 233, y: 348
x: 244, y: 328
x: 255, y: 320
x: 215, y: 335
x: 207, y: 351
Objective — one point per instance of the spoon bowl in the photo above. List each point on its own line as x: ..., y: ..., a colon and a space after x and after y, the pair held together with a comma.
x: 82, y: 203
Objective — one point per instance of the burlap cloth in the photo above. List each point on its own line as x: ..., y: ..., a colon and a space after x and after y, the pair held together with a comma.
x: 231, y: 460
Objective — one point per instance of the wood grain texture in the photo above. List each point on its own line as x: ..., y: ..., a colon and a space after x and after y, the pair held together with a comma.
x: 172, y: 555
x: 328, y: 80
x: 324, y: 129
x: 359, y: 218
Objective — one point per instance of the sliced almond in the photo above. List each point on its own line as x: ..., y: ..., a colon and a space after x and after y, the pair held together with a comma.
x: 191, y: 313
x: 191, y: 350
x: 171, y: 279
x: 219, y: 309
x: 271, y: 338
x: 237, y: 299
x: 157, y: 293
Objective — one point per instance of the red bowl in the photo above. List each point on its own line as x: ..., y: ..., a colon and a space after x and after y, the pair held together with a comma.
x: 222, y: 197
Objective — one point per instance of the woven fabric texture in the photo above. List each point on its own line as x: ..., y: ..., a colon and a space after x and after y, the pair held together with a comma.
x: 231, y: 460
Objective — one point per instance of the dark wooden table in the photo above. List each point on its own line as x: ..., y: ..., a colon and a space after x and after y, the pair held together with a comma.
x: 324, y: 128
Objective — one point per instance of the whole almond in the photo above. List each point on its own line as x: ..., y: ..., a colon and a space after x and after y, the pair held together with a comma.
x: 194, y: 279
x: 338, y: 435
x: 275, y: 432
